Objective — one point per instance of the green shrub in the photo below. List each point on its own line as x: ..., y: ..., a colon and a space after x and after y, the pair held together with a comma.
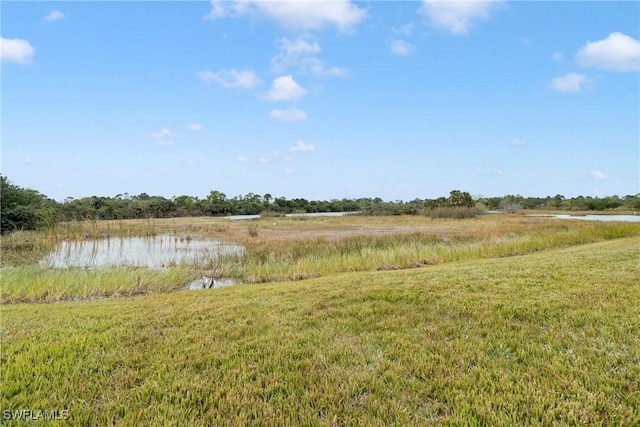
x: 452, y: 213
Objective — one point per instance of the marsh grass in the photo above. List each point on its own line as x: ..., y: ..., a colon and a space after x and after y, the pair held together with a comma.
x: 276, y: 260
x: 453, y: 213
x: 292, y: 250
x: 551, y: 338
x: 24, y: 247
x: 37, y: 284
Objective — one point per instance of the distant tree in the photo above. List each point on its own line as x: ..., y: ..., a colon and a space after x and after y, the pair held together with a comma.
x: 267, y: 200
x: 23, y: 208
x: 460, y: 199
x: 216, y: 203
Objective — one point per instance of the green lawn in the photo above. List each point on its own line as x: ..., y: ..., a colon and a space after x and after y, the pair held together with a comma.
x: 546, y: 338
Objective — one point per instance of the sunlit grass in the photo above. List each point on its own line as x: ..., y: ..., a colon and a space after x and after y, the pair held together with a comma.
x: 551, y: 338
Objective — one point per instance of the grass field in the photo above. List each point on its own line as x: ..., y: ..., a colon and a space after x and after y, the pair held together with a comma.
x: 550, y: 336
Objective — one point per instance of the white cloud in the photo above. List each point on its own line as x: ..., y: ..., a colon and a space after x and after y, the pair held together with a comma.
x: 189, y: 163
x: 164, y: 133
x: 301, y: 147
x: 618, y: 52
x: 300, y: 53
x: 598, y: 175
x: 291, y: 51
x: 516, y: 142
x: 558, y: 56
x: 54, y: 15
x: 289, y: 115
x: 285, y: 89
x: 28, y: 160
x: 404, y: 30
x: 402, y: 48
x: 218, y: 10
x: 289, y: 171
x: 455, y: 16
x: 16, y: 50
x: 298, y: 15
x: 230, y: 79
x: 317, y: 67
x: 571, y: 82
x: 267, y: 158
x: 497, y: 172
x: 195, y: 127
x: 244, y: 159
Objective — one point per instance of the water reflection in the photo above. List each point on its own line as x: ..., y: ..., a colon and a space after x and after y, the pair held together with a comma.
x: 211, y: 283
x: 151, y: 252
x: 292, y: 215
x: 601, y: 218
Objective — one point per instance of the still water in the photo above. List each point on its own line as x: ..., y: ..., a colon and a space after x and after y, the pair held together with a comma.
x: 601, y: 218
x: 300, y: 215
x: 151, y: 252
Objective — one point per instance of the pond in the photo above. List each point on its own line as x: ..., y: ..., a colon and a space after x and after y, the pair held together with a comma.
x: 152, y: 252
x: 293, y: 215
x: 602, y: 218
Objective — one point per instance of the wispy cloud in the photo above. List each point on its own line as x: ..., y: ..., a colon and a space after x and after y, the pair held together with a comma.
x: 598, y: 175
x: 571, y: 82
x: 558, y: 56
x: 54, y: 15
x: 285, y: 89
x: 231, y: 79
x: 457, y: 17
x: 404, y: 30
x: 195, y: 127
x: 517, y: 142
x: 296, y: 15
x: 268, y: 158
x: 163, y: 133
x: 318, y: 68
x: 301, y: 54
x: 618, y: 52
x: 402, y: 48
x: 16, y: 50
x: 292, y: 51
x: 289, y: 115
x: 162, y: 137
x: 301, y: 147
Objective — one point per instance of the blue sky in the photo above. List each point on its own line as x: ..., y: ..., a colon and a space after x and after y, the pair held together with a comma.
x: 321, y: 99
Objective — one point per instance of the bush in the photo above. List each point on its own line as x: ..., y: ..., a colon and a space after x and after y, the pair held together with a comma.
x: 453, y: 213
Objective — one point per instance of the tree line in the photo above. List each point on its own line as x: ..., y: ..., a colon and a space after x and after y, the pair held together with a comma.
x: 27, y: 209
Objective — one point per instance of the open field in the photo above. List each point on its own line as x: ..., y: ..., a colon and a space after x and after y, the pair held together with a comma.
x: 282, y: 249
x: 545, y: 338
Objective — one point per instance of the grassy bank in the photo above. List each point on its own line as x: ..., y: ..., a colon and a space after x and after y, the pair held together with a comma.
x: 547, y: 338
x: 36, y: 284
